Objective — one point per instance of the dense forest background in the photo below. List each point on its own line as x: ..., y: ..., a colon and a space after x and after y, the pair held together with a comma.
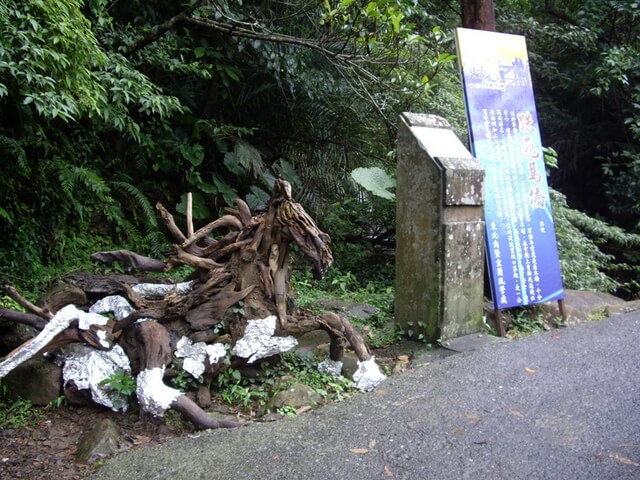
x: 107, y: 107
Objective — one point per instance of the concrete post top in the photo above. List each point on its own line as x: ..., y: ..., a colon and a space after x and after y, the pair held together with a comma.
x: 424, y: 120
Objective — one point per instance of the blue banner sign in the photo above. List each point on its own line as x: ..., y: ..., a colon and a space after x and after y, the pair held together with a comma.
x: 521, y: 242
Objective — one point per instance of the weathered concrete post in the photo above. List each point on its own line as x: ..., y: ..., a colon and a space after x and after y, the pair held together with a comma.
x: 439, y: 231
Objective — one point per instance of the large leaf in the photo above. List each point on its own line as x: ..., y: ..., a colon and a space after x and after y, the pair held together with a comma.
x: 200, y: 211
x: 249, y: 157
x: 257, y: 197
x: 375, y: 180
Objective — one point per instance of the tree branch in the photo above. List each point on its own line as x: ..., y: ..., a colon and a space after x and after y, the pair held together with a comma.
x: 159, y: 30
x: 23, y: 302
x: 237, y: 31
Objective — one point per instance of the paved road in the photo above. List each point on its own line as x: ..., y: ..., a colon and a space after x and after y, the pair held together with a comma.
x: 559, y: 405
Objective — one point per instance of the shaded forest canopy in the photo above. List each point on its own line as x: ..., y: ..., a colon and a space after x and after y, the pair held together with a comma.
x: 108, y: 107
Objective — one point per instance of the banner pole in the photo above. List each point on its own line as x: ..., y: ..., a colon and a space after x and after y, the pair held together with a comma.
x: 563, y: 310
x: 497, y: 318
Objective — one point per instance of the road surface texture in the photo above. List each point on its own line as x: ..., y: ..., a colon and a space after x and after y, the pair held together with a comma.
x: 558, y: 405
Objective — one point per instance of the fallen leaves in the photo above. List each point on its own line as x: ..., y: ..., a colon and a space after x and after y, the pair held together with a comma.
x: 387, y: 472
x: 530, y: 370
x: 624, y: 460
x: 473, y: 417
x: 364, y: 451
x: 359, y: 451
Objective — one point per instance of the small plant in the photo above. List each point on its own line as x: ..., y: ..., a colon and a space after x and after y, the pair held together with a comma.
x: 175, y: 420
x: 239, y: 309
x: 304, y: 369
x: 58, y: 402
x: 384, y: 336
x: 183, y: 380
x: 16, y: 414
x: 121, y: 382
x: 526, y: 321
x: 235, y: 389
x: 598, y: 314
x: 414, y: 331
x: 286, y: 411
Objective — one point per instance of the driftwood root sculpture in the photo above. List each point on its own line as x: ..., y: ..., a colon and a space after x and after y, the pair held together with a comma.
x: 247, y: 262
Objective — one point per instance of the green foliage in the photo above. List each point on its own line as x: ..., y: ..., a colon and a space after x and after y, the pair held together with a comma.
x: 526, y: 321
x: 183, y: 380
x: 58, y: 402
x: 121, y: 382
x: 377, y: 290
x: 16, y: 414
x: 583, y: 243
x: 10, y: 303
x: 345, y: 287
x: 254, y: 392
x: 104, y: 114
x: 234, y: 389
x: 586, y: 68
x: 304, y: 369
x: 375, y: 180
x: 413, y: 330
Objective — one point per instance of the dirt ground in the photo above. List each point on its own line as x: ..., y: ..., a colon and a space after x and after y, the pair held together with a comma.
x: 47, y: 449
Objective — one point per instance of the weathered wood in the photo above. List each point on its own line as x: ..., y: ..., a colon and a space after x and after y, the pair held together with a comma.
x: 171, y: 223
x: 131, y: 259
x: 26, y: 304
x: 199, y: 417
x: 150, y: 344
x: 189, y: 215
x: 181, y: 257
x: 24, y: 318
x: 479, y: 15
x: 250, y: 263
x: 99, y: 284
x: 227, y: 221
x: 62, y: 294
x: 208, y: 314
x: 243, y: 211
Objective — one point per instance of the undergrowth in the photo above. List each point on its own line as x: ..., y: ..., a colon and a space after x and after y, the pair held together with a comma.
x: 16, y: 413
x: 252, y: 393
x: 339, y: 286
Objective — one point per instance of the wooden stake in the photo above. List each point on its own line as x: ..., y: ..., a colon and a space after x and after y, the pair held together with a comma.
x: 563, y: 310
x: 497, y: 317
x: 189, y: 215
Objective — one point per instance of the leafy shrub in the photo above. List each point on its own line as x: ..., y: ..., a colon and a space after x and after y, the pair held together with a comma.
x: 16, y: 414
x: 584, y: 245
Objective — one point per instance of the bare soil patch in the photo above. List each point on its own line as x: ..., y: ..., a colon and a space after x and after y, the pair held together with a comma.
x: 47, y: 449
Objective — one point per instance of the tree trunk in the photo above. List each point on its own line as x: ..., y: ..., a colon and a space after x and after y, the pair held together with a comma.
x: 479, y: 15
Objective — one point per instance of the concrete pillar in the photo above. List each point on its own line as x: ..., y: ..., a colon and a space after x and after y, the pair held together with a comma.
x: 439, y: 231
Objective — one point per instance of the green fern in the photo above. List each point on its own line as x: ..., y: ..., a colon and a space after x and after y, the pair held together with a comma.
x: 140, y: 201
x: 584, y: 264
x: 72, y: 177
x: 9, y: 146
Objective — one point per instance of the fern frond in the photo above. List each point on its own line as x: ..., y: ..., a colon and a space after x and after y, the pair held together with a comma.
x: 140, y: 201
x: 157, y: 243
x: 72, y: 176
x: 14, y: 149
